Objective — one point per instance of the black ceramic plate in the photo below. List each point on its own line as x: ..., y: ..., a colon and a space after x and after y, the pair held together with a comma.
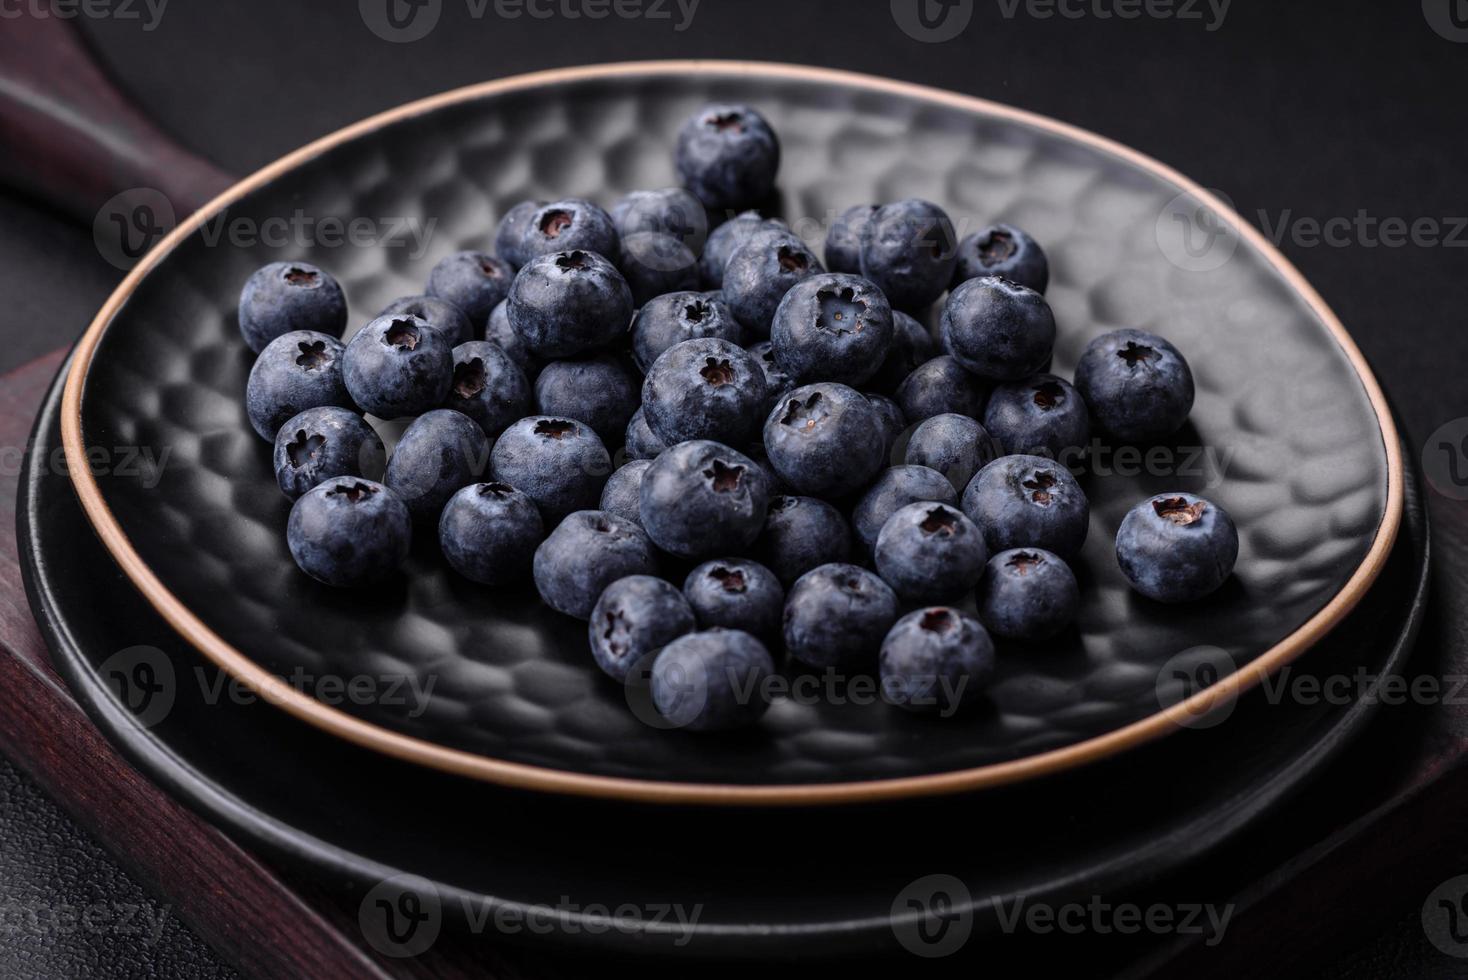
x: 1289, y: 433
x: 770, y: 883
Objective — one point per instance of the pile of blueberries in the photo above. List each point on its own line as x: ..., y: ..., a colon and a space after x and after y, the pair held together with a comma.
x: 759, y: 396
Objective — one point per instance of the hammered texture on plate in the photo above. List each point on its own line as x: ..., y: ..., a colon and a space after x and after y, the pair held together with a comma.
x: 1282, y: 433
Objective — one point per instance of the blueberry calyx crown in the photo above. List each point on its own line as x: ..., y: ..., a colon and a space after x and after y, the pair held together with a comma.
x: 1136, y: 354
x: 555, y: 428
x: 802, y: 414
x: 697, y: 311
x: 354, y: 492
x: 724, y: 122
x: 303, y: 448
x: 1024, y: 562
x: 1040, y: 484
x: 402, y: 334
x: 572, y: 261
x: 313, y: 356
x: 936, y: 620
x: 731, y: 579
x: 838, y: 306
x: 1049, y: 394
x: 1179, y: 511
x: 296, y: 276
x: 939, y: 520
x: 469, y: 378
x: 996, y: 246
x: 489, y: 269
x: 791, y: 260
x: 723, y: 477
x: 555, y: 221
x: 495, y: 489
x: 717, y: 372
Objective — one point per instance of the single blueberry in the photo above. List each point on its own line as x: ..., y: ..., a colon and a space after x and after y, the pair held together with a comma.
x: 570, y: 225
x: 623, y: 493
x: 1027, y: 594
x: 670, y: 211
x: 1040, y: 416
x: 509, y: 234
x: 655, y: 264
x: 489, y: 533
x: 295, y: 371
x: 1177, y: 547
x: 802, y: 533
x: 761, y: 272
x: 824, y: 439
x: 912, y: 347
x: 843, y: 240
x: 601, y: 390
x: 1137, y: 386
x: 893, y: 490
x: 497, y: 330
x: 287, y: 296
x: 725, y: 240
x: 440, y: 314
x: 1028, y: 502
x: 633, y: 620
x: 349, y: 531
x: 488, y: 386
x: 909, y: 248
x: 727, y: 155
x: 997, y: 329
x: 701, y: 498
x: 475, y: 282
x: 930, y: 553
x: 1005, y: 251
x: 836, y: 615
x: 641, y: 443
x: 675, y: 317
x: 322, y: 443
x: 737, y: 594
x: 939, y: 386
x: 712, y: 681
x: 832, y: 327
x: 954, y: 445
x: 704, y: 389
x: 935, y: 660
x: 568, y: 303
x: 587, y: 552
x: 397, y: 366
x: 559, y: 463
x: 890, y: 422
x: 438, y: 454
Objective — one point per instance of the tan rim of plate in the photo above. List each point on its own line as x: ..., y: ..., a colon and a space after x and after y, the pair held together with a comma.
x: 522, y: 776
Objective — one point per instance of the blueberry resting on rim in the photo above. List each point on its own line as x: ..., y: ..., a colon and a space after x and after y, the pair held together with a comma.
x: 587, y: 552
x: 397, y: 366
x: 489, y: 533
x: 930, y: 552
x: 893, y: 490
x: 823, y: 439
x: 801, y: 533
x: 1028, y: 502
x: 559, y: 463
x: 1177, y: 547
x: 908, y: 249
x: 568, y: 303
x: 633, y: 620
x: 1137, y: 386
x: 295, y: 371
x: 736, y: 593
x: 322, y: 443
x: 837, y: 614
x: 701, y: 498
x: 349, y: 531
x: 832, y: 327
x: 475, y: 282
x: 1027, y: 594
x: 440, y: 452
x: 954, y: 445
x: 712, y: 681
x: 286, y: 296
x: 999, y: 330
x: 704, y: 389
x: 1040, y: 416
x: 1005, y: 251
x: 727, y: 156
x: 935, y: 660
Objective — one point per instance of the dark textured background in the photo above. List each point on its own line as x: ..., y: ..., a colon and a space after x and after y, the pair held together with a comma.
x: 1304, y: 110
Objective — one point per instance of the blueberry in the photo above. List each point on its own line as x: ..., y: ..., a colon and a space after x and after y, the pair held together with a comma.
x: 670, y: 211
x: 587, y: 552
x: 1177, y: 547
x: 675, y: 317
x: 567, y: 303
x: 1137, y: 386
x: 997, y: 329
x: 908, y: 249
x: 939, y: 386
x: 837, y: 615
x: 634, y: 619
x: 778, y: 384
x: 1005, y: 251
x: 712, y: 681
x: 488, y: 386
x: 1040, y: 416
x: 761, y: 272
x: 641, y: 443
x: 489, y: 533
x: 322, y: 443
x: 895, y: 489
x: 509, y: 235
x: 701, y: 498
x: 725, y: 240
x: 559, y: 463
x: 349, y: 531
x: 727, y: 155
x: 843, y: 240
x: 602, y: 390
x: 912, y: 347
x: 890, y: 422
x: 287, y: 296
x: 935, y: 660
x: 438, y: 454
x: 295, y: 371
x: 655, y: 264
x: 704, y: 389
x: 1028, y: 502
x: 497, y: 330
x: 930, y: 552
x: 800, y: 534
x: 1027, y: 594
x: 441, y: 315
x: 397, y: 366
x: 623, y: 493
x: 833, y: 327
x: 824, y: 439
x: 570, y: 225
x: 954, y: 445
x: 475, y: 282
x: 737, y: 594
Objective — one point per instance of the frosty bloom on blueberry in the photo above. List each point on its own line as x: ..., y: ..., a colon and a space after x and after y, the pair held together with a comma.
x: 475, y: 282
x: 634, y: 619
x: 296, y: 371
x: 1028, y: 501
x: 286, y: 296
x: 489, y: 533
x: 1004, y: 251
x: 999, y: 330
x: 1177, y: 547
x: 349, y: 531
x: 833, y: 327
x: 823, y: 439
x: 1136, y: 385
x: 761, y: 272
x: 935, y: 660
x: 727, y: 155
x: 397, y: 366
x: 711, y: 681
x: 704, y: 389
x: 322, y: 443
x: 567, y: 303
x: 700, y: 498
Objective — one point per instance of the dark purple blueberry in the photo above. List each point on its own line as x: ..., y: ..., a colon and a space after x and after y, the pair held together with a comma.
x: 322, y: 443
x: 641, y: 443
x: 397, y: 366
x: 488, y: 386
x: 349, y: 532
x: 727, y: 155
x: 559, y: 463
x: 440, y: 314
x: 725, y: 240
x: 587, y: 552
x: 800, y: 534
x: 836, y: 616
x: 1137, y: 386
x: 1004, y: 251
x: 568, y: 303
x: 712, y: 681
x: 1040, y: 416
x: 475, y: 282
x: 1028, y: 502
x: 912, y: 347
x: 891, y: 423
x: 893, y: 490
x: 935, y: 660
x: 1027, y: 594
x: 1177, y: 547
x: 737, y: 594
x: 670, y: 211
x: 939, y: 386
x: 704, y: 389
x: 439, y: 453
x: 778, y: 384
x: 761, y: 272
x: 570, y: 225
x: 701, y: 498
x: 843, y: 241
x: 623, y: 493
x: 509, y: 235
x: 824, y: 440
x: 908, y: 249
x: 832, y: 327
x: 602, y: 390
x: 633, y: 620
x: 675, y: 317
x: 283, y: 297
x: 489, y: 533
x: 930, y: 552
x: 999, y: 330
x: 497, y: 330
x: 655, y: 264
x: 295, y: 371
x: 954, y: 445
